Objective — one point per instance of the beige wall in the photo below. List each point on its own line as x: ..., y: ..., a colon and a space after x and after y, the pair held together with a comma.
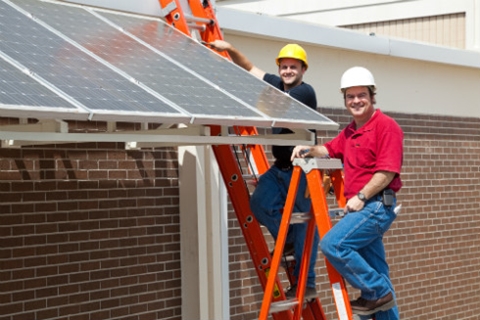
x: 444, y: 30
x: 404, y: 85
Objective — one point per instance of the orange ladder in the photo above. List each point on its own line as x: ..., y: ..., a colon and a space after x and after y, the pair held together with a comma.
x: 319, y: 216
x: 203, y: 21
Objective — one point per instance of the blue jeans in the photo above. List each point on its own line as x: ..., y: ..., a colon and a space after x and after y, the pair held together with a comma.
x: 267, y: 202
x: 355, y: 248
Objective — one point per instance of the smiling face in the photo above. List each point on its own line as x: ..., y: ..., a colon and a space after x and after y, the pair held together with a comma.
x: 291, y: 72
x: 359, y: 102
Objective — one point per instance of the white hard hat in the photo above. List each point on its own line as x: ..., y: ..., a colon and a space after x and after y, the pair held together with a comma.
x: 357, y: 76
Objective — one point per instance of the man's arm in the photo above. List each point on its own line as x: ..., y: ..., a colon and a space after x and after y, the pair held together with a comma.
x: 238, y: 58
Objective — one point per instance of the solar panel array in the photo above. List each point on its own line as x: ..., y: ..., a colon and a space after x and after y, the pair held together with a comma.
x: 104, y: 65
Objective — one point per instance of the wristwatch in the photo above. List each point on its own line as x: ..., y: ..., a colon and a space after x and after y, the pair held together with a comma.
x: 361, y: 196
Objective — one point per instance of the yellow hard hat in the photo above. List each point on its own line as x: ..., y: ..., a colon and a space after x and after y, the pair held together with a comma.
x: 293, y: 51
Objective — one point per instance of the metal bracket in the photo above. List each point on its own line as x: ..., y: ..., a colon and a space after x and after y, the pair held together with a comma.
x: 168, y: 8
x: 308, y: 164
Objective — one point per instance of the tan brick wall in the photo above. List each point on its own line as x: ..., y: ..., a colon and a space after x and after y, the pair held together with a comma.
x: 91, y: 231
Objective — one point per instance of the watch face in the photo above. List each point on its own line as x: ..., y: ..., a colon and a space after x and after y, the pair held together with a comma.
x: 361, y: 196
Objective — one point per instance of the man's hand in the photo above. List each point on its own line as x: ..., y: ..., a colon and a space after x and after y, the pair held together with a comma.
x: 309, y: 151
x: 219, y: 45
x: 354, y: 204
x: 300, y: 152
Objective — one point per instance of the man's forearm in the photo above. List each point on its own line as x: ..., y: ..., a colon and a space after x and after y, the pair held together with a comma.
x: 239, y: 59
x: 379, y: 181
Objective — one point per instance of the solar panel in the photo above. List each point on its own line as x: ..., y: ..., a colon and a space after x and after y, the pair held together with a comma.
x: 139, y: 62
x: 222, y: 73
x: 75, y: 73
x: 149, y: 71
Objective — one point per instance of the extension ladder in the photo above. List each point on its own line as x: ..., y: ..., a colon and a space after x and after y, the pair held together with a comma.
x: 202, y: 22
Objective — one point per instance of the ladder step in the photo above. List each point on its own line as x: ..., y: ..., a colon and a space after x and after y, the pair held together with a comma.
x: 308, y: 164
x: 283, y: 305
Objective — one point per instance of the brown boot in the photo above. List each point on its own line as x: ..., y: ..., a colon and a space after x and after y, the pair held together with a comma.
x: 365, y: 307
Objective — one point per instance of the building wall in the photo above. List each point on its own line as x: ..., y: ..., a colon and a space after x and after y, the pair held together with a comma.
x: 91, y: 231
x: 444, y: 30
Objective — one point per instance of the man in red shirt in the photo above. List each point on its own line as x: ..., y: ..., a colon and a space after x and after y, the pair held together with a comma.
x: 371, y: 149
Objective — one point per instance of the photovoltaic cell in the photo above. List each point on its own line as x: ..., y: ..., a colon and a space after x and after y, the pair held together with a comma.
x: 18, y: 89
x: 71, y: 70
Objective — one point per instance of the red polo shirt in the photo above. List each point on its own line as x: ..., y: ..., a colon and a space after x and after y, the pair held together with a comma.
x: 376, y: 146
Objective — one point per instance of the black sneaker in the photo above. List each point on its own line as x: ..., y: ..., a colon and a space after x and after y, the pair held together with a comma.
x: 310, y: 293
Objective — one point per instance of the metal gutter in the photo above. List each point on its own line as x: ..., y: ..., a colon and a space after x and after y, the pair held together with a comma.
x: 265, y: 26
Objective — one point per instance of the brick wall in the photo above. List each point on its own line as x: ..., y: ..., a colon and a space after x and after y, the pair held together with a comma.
x: 90, y: 231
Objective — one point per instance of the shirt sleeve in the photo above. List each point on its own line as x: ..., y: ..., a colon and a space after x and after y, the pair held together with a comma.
x: 390, y: 147
x: 336, y: 146
x: 305, y: 94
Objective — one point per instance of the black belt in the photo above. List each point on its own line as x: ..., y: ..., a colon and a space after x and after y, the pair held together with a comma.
x: 381, y: 193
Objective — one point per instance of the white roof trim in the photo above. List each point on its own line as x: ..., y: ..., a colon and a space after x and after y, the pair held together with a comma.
x: 233, y: 21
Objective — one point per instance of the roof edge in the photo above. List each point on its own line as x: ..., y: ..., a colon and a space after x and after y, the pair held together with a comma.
x: 265, y: 26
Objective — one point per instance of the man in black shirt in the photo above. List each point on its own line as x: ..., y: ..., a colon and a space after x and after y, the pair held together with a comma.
x: 268, y: 199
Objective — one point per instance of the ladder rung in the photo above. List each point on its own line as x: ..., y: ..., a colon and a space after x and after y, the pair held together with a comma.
x: 250, y: 179
x: 198, y: 19
x: 283, y: 305
x: 300, y: 217
x: 200, y: 27
x: 335, y: 213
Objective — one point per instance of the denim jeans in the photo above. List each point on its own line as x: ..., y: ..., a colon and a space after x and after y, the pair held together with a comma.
x: 267, y: 202
x: 355, y: 248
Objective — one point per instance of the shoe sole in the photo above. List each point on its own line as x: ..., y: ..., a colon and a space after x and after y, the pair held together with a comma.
x: 384, y: 307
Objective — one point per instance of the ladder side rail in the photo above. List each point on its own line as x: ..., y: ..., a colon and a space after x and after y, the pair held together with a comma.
x: 304, y: 264
x: 324, y: 224
x: 173, y: 14
x: 258, y: 152
x: 338, y: 187
x: 203, y: 9
x: 280, y: 242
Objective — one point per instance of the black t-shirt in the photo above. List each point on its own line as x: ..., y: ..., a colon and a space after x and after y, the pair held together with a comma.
x: 303, y: 93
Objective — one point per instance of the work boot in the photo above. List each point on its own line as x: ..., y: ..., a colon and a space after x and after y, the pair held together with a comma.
x: 310, y: 293
x: 365, y: 307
